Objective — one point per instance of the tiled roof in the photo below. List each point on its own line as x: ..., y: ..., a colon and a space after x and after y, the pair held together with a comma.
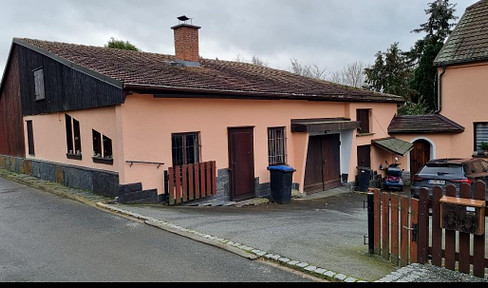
x: 469, y: 40
x: 158, y: 72
x: 428, y: 123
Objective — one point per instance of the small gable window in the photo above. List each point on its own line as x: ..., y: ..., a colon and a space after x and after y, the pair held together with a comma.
x: 39, y: 84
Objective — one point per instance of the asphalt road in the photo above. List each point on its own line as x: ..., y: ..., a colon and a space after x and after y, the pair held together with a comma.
x: 44, y: 237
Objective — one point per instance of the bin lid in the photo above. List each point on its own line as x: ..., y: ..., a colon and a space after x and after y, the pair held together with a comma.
x: 281, y: 168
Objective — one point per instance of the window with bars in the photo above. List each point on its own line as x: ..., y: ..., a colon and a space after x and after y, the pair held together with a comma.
x: 480, y: 135
x: 73, y: 138
x: 276, y: 146
x: 185, y: 148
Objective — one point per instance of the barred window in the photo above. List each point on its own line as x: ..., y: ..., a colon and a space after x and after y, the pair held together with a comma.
x: 276, y: 146
x: 185, y: 148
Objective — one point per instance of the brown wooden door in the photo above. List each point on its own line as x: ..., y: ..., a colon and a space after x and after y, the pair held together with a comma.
x: 419, y: 155
x: 241, y: 163
x: 322, y: 171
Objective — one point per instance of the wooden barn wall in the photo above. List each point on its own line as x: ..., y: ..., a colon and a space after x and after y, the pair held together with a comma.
x: 65, y: 88
x: 11, y: 125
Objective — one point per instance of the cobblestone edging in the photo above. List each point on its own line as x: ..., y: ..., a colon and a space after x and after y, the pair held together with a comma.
x: 428, y: 273
x: 246, y: 251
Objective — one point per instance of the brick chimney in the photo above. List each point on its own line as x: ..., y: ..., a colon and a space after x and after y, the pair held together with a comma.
x: 186, y: 41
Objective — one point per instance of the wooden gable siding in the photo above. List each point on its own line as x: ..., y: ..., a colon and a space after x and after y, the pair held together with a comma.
x: 65, y: 88
x: 11, y: 125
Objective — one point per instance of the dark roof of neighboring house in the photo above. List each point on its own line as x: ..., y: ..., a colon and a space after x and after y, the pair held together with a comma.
x: 418, y: 124
x: 158, y: 73
x: 468, y: 42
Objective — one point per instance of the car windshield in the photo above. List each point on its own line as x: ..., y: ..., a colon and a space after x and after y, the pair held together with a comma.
x: 442, y: 170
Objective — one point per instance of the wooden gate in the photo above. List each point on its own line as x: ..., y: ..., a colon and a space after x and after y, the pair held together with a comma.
x: 191, y: 182
x: 408, y: 230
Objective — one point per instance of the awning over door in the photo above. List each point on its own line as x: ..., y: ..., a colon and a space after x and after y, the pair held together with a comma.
x: 394, y: 145
x: 323, y: 125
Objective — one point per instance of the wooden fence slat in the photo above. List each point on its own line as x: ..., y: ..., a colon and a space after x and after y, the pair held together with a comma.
x: 208, y: 171
x: 178, y: 185
x: 196, y: 177
x: 191, y: 183
x: 386, y: 225
x: 214, y: 178
x: 436, y: 228
x: 171, y: 185
x: 423, y: 231
x: 464, y: 238
x: 184, y: 179
x: 377, y: 221
x: 394, y: 229
x: 450, y: 237
x: 479, y: 240
x: 414, y: 220
x: 202, y: 180
x: 404, y: 231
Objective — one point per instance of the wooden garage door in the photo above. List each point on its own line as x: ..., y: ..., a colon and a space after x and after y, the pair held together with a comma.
x: 322, y: 170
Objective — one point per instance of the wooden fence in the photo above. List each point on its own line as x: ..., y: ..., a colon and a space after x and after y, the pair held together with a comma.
x: 191, y: 182
x: 408, y: 230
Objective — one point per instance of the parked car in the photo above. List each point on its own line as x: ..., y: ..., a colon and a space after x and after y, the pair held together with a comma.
x: 442, y: 172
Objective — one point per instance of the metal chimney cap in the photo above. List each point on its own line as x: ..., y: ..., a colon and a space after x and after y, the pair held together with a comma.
x: 183, y: 18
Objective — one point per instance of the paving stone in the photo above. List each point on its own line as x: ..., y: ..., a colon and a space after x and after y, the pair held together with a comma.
x: 320, y: 270
x: 340, y: 277
x: 329, y: 274
x: 350, y: 279
x: 284, y: 260
x: 302, y: 264
x: 293, y: 262
x: 275, y: 257
x: 310, y: 268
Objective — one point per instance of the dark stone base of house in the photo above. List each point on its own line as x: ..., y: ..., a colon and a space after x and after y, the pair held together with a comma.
x: 101, y: 182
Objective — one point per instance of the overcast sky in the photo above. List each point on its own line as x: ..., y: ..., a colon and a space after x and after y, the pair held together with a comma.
x: 328, y: 33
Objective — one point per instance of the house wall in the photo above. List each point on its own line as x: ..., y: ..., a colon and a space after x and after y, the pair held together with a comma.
x: 147, y: 124
x: 50, y: 136
x: 464, y: 101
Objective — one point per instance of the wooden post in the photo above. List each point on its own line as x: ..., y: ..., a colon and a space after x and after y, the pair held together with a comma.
x: 178, y: 184
x: 196, y: 176
x: 404, y: 231
x: 377, y: 222
x: 450, y: 237
x: 464, y: 241
x: 394, y: 229
x: 414, y: 221
x: 436, y: 228
x: 184, y: 179
x: 385, y: 247
x: 191, y: 182
x: 479, y: 240
x: 423, y: 232
x: 214, y: 178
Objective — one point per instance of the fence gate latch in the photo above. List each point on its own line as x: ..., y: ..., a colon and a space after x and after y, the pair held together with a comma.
x: 414, y: 229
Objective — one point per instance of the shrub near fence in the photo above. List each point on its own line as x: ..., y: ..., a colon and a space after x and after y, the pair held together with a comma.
x: 408, y: 230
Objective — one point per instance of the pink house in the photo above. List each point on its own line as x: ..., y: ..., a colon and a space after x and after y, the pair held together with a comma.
x: 460, y: 124
x: 116, y: 121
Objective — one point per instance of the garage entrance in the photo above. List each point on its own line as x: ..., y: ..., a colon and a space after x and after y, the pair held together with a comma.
x: 322, y: 171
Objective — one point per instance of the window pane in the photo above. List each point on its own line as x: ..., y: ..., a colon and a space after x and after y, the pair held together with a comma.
x: 481, y: 134
x: 39, y: 84
x: 177, y: 147
x: 30, y: 137
x: 107, y: 147
x: 191, y: 149
x: 69, y: 134
x: 362, y: 115
x: 97, y: 148
x: 76, y: 131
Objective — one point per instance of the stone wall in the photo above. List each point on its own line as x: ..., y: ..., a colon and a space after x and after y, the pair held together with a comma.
x: 99, y: 181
